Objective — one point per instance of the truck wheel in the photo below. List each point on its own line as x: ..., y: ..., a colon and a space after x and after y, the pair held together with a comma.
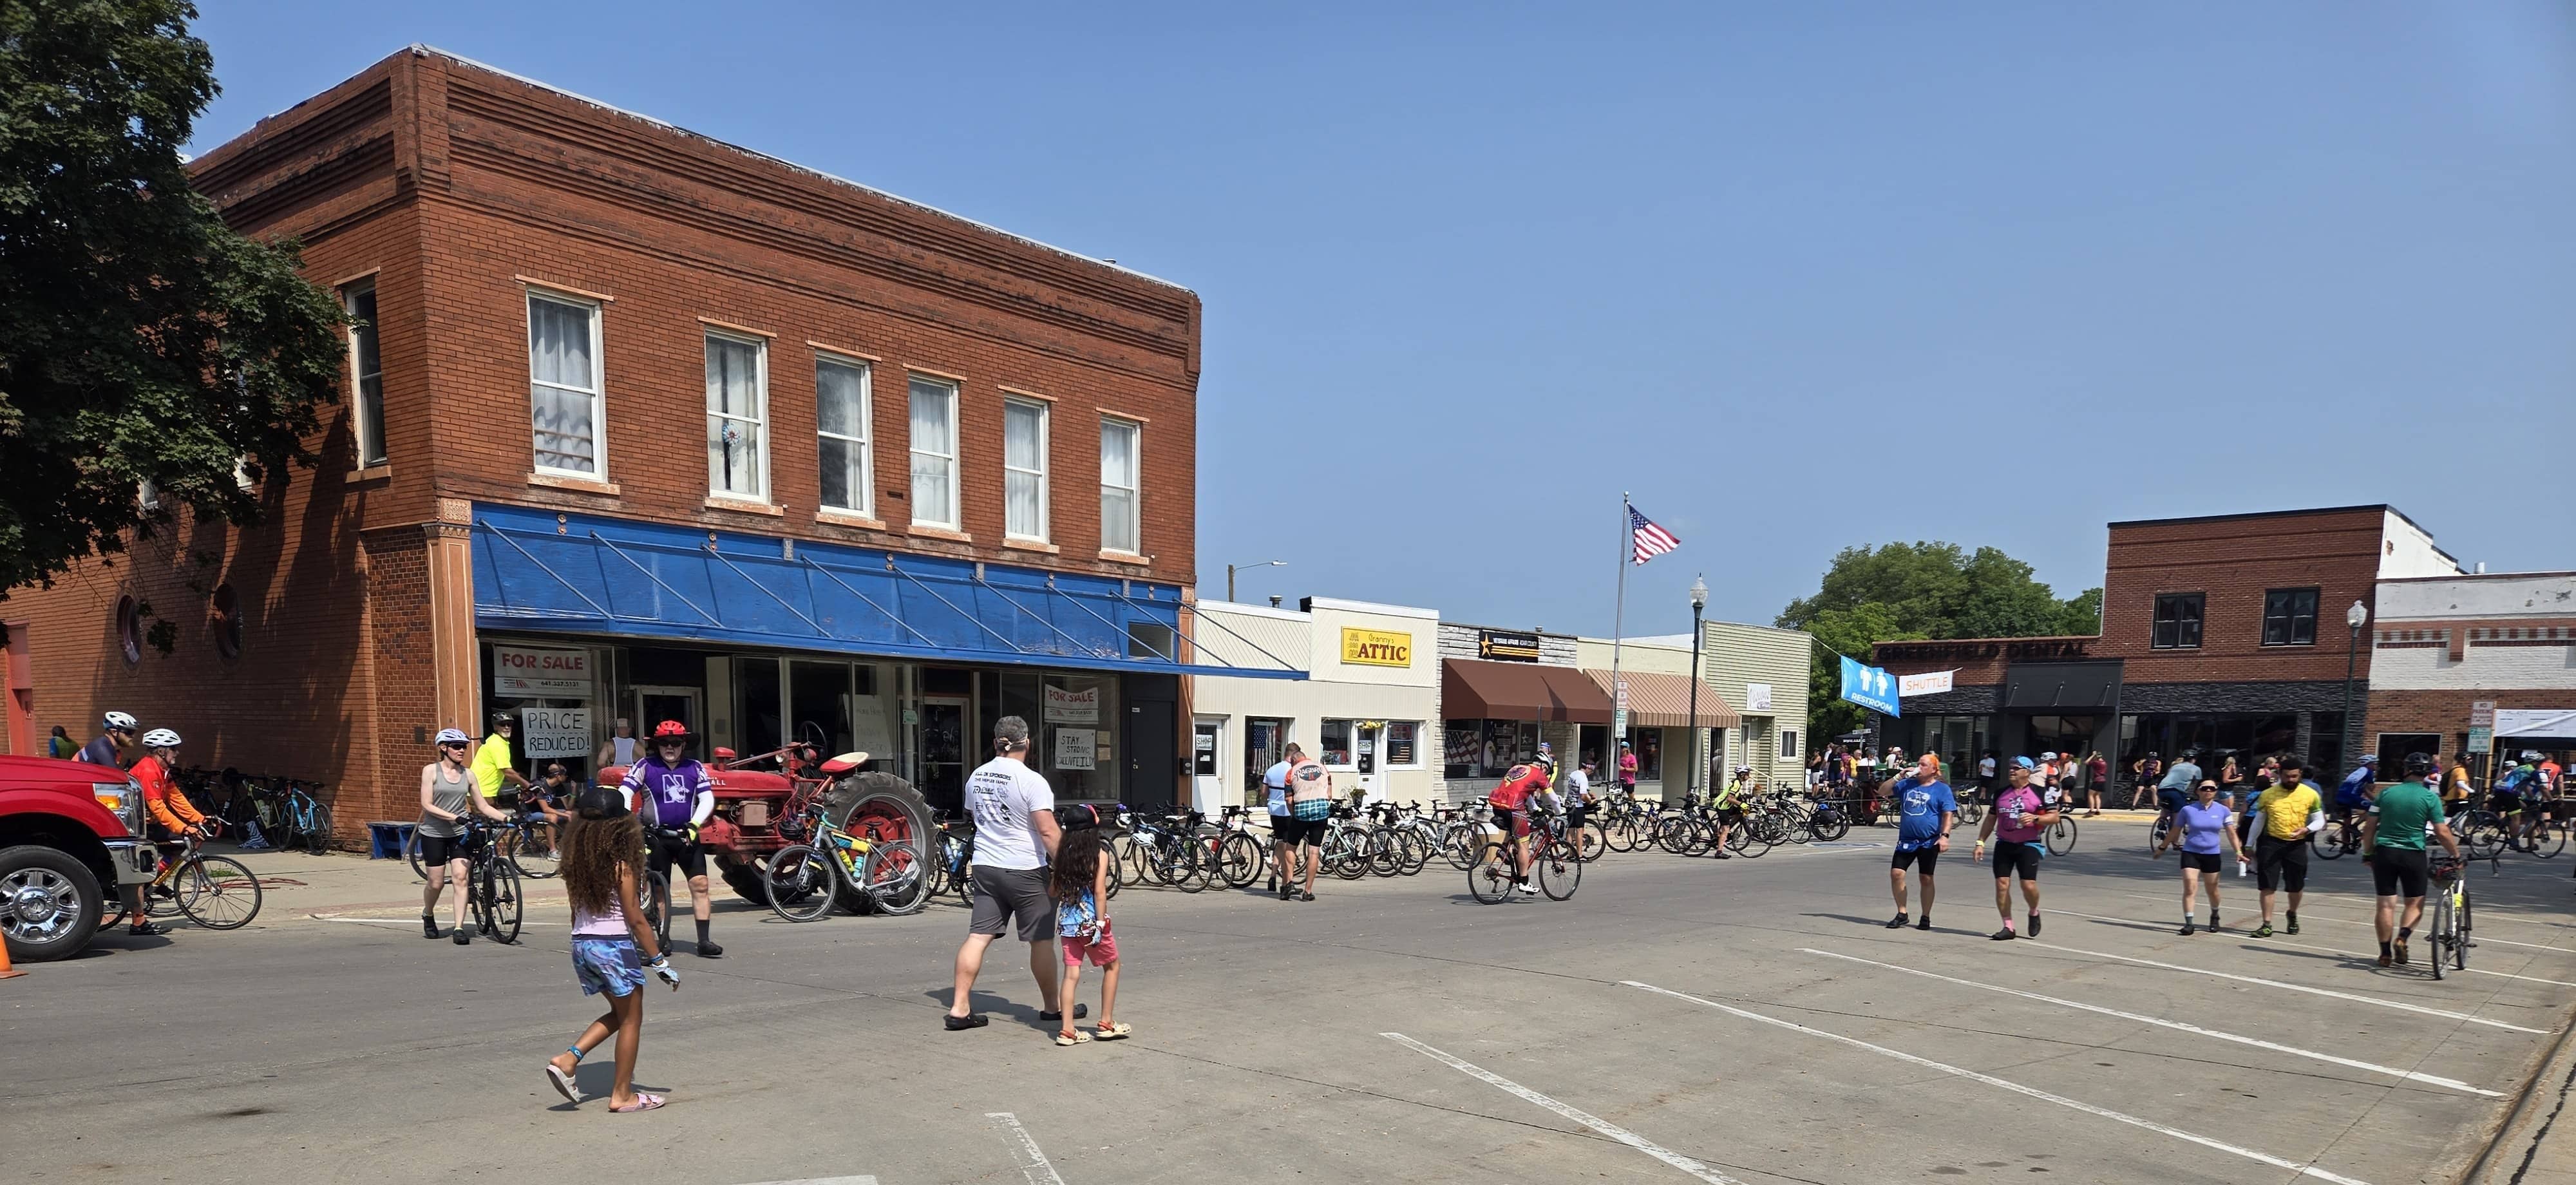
x: 49, y: 903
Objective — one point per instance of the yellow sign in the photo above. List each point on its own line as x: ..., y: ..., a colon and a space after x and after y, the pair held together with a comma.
x: 1376, y: 648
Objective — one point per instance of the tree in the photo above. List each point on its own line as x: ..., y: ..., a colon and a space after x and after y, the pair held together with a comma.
x: 141, y: 339
x: 1905, y: 591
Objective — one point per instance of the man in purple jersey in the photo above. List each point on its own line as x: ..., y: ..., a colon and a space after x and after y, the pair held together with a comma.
x: 674, y: 794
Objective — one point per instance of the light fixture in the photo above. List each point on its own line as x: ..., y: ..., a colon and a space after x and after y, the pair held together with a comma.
x: 2357, y: 616
x: 1699, y: 594
x: 1231, y: 569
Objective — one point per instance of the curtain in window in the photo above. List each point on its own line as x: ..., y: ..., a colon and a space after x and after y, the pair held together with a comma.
x: 1118, y: 486
x: 562, y: 384
x: 1023, y: 464
x: 934, y: 453
x: 840, y: 409
x: 369, y: 366
x: 733, y: 418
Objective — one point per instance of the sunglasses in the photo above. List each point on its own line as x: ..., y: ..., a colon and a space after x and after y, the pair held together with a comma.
x: 452, y: 745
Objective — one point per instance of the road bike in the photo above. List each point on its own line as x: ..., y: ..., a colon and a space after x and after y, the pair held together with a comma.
x: 294, y: 818
x: 217, y: 892
x: 529, y: 842
x: 2448, y: 929
x: 2060, y: 835
x: 491, y: 885
x: 1553, y: 863
x: 2340, y: 835
x: 1239, y: 856
x: 1167, y: 850
x: 862, y: 872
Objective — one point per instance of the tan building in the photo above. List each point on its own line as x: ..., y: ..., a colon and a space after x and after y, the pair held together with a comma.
x: 1658, y: 674
x: 1369, y: 708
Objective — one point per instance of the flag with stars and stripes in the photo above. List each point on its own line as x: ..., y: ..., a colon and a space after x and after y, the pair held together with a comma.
x: 1651, y: 540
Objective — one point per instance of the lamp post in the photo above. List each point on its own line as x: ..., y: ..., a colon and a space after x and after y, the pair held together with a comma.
x: 1231, y: 568
x: 1699, y: 601
x: 2356, y: 617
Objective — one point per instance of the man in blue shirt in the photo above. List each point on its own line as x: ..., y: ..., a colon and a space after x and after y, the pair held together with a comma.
x: 1926, y: 809
x: 2353, y: 793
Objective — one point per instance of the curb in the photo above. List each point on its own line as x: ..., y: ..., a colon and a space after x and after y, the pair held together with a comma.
x: 2523, y: 1138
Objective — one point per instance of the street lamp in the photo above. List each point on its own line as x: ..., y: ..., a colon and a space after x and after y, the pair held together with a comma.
x: 2356, y: 617
x: 1699, y: 601
x: 1230, y: 570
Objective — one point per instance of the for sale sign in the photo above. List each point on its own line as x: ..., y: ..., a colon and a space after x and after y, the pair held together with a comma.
x: 526, y: 672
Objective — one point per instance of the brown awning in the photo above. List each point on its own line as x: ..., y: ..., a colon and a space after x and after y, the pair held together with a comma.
x: 1664, y: 701
x: 1476, y: 689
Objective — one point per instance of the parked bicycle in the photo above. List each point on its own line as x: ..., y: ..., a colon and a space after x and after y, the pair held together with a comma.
x: 861, y: 872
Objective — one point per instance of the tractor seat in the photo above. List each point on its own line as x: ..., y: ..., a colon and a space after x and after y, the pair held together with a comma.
x: 844, y: 763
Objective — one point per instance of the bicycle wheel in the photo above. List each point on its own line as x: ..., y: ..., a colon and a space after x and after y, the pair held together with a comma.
x: 2061, y: 836
x: 317, y: 838
x: 1829, y: 825
x: 1589, y: 843
x: 1559, y: 869
x: 1385, y: 859
x: 1109, y: 859
x: 1489, y: 876
x: 535, y: 853
x: 1242, y: 860
x: 2445, y: 935
x: 1757, y: 841
x: 498, y: 899
x: 2468, y: 925
x: 218, y: 892
x: 1458, y: 845
x: 657, y: 907
x: 1673, y: 835
x: 1344, y: 855
x: 897, y: 878
x: 411, y: 852
x: 2330, y: 841
x: 799, y: 883
x: 2549, y: 839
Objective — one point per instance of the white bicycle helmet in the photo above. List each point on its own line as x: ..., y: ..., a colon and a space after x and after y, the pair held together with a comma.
x: 452, y: 736
x: 160, y: 738
x: 117, y: 720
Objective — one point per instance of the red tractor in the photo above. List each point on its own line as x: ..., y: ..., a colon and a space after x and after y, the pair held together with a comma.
x: 761, y: 802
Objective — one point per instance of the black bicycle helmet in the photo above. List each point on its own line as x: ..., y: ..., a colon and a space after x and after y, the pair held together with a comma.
x: 2418, y: 763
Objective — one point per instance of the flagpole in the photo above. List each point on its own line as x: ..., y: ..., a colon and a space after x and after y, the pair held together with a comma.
x: 1618, y: 623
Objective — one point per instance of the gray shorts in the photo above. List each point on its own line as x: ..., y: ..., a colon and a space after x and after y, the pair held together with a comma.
x: 1002, y: 893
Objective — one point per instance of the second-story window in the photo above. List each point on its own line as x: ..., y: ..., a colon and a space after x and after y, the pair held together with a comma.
x: 737, y: 412
x: 2177, y: 621
x: 934, y: 453
x: 1024, y: 469
x: 1119, y: 486
x: 841, y: 426
x: 366, y: 374
x: 2290, y: 617
x: 563, y: 384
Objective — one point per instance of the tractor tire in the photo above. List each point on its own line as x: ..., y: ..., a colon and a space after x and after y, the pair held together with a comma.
x: 877, y: 806
x: 743, y: 877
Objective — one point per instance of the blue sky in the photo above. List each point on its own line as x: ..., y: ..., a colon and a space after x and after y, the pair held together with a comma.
x: 1797, y: 276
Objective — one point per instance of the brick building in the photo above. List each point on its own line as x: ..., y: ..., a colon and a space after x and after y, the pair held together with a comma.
x: 2443, y: 644
x: 641, y: 423
x: 2222, y: 634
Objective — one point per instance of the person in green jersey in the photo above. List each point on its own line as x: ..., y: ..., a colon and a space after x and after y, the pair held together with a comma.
x: 2392, y: 844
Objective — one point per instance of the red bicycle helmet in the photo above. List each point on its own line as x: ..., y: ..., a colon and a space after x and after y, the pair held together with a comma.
x: 670, y: 730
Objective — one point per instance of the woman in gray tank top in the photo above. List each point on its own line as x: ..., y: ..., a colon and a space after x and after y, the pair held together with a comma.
x: 447, y: 793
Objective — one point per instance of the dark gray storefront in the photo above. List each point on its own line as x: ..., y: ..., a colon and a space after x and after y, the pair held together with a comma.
x: 2076, y: 706
x: 2039, y: 707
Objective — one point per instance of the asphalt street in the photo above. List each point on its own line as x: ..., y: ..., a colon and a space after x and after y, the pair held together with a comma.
x: 1678, y: 1019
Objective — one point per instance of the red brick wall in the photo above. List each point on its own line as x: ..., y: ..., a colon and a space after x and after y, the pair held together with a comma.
x: 2234, y: 561
x: 2447, y: 712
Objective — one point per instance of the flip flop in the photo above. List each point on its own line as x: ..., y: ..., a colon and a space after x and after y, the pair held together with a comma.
x: 1115, y: 1031
x: 643, y: 1102
x: 563, y: 1083
x: 1073, y: 1037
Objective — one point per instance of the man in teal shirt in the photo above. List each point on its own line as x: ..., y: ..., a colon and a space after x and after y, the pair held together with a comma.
x: 2392, y: 843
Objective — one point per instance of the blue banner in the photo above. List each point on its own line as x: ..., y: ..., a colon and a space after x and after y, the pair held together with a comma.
x: 1869, y: 687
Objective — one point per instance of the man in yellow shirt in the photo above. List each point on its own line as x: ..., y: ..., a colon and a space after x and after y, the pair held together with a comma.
x: 492, y: 766
x: 2287, y: 813
x: 2455, y: 783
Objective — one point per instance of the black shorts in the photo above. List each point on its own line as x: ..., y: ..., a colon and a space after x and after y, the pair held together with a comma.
x: 2400, y: 872
x: 1923, y: 858
x: 1296, y: 832
x: 437, y: 850
x: 1578, y: 817
x: 2505, y: 804
x: 2280, y: 863
x: 2019, y: 860
x: 1514, y: 824
x: 667, y: 851
x: 2205, y: 861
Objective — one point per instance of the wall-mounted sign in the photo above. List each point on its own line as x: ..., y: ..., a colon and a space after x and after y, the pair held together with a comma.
x: 1073, y: 707
x: 2482, y: 713
x: 1376, y: 648
x: 555, y: 732
x: 1927, y: 683
x: 1972, y: 651
x: 1757, y: 697
x: 525, y: 671
x: 1507, y: 646
x: 1074, y: 749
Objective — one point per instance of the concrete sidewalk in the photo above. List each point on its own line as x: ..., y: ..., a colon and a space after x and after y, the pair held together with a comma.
x: 2537, y: 1145
x: 300, y: 887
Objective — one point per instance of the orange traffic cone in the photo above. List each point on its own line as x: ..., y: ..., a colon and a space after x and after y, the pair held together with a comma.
x: 5, y: 971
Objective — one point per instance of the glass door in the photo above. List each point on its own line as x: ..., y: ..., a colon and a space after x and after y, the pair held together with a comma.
x: 943, y: 753
x: 653, y: 705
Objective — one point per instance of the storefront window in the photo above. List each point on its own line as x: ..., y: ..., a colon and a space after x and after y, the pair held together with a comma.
x: 818, y: 704
x: 758, y: 715
x: 1487, y: 748
x: 1337, y: 744
x: 1401, y: 749
x: 1079, y: 732
x: 1648, y: 745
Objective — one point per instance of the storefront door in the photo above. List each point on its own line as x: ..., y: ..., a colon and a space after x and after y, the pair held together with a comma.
x: 943, y: 753
x: 1367, y: 747
x: 653, y: 705
x: 1207, y: 743
x: 1264, y: 743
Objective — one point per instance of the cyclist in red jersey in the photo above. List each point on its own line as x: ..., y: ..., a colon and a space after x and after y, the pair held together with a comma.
x: 1510, y: 802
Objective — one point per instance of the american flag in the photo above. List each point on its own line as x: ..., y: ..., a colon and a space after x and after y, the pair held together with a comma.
x: 1651, y: 540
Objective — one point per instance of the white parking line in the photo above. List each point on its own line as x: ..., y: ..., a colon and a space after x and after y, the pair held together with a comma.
x: 2257, y: 1042
x: 2472, y: 942
x: 1603, y: 1126
x: 822, y: 1181
x: 2293, y: 987
x: 2015, y: 1087
x: 1035, y: 1166
x: 2476, y: 915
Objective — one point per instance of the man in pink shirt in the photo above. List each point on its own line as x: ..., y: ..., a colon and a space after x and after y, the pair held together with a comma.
x: 1627, y: 768
x: 2020, y: 816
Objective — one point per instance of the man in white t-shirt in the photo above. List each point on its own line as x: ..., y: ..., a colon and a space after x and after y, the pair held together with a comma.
x: 1283, y: 828
x: 1015, y: 836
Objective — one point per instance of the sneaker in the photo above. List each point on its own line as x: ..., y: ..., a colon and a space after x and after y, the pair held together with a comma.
x: 2383, y: 958
x: 429, y: 927
x: 2294, y: 923
x: 1306, y: 895
x: 1079, y: 1011
x: 709, y: 950
x: 1724, y: 855
x: 1897, y: 922
x: 2003, y: 935
x: 1287, y: 891
x: 1528, y: 888
x: 461, y: 937
x: 2401, y: 953
x: 155, y: 929
x: 1925, y: 923
x: 2263, y: 931
x: 2034, y: 925
x: 2213, y: 921
x: 2187, y: 927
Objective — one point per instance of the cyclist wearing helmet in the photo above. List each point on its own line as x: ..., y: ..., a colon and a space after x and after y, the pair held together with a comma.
x: 447, y: 795
x: 169, y: 815
x: 2392, y: 843
x: 116, y: 731
x: 1511, y: 804
x: 674, y: 794
x: 492, y: 768
x: 2506, y: 797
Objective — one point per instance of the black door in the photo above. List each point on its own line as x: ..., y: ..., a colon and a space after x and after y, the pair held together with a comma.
x: 1151, y: 743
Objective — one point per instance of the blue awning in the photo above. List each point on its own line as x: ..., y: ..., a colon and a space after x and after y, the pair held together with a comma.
x: 538, y: 570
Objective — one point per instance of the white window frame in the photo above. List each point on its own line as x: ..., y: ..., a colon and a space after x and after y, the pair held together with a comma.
x: 865, y: 485
x: 598, y: 391
x: 371, y: 451
x: 758, y: 420
x: 1046, y: 446
x: 1386, y: 743
x: 1789, y: 743
x: 1135, y: 493
x: 1324, y: 728
x: 957, y: 438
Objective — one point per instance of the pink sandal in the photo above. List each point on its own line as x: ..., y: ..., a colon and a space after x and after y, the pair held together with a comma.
x: 643, y: 1102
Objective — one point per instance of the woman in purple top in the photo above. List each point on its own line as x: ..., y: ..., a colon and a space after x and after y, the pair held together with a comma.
x: 2020, y: 815
x: 2200, y: 829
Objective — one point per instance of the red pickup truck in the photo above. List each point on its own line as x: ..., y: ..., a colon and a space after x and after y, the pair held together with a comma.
x: 68, y: 838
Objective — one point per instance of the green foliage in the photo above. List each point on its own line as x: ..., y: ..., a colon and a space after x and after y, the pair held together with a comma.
x: 1905, y: 591
x: 141, y: 339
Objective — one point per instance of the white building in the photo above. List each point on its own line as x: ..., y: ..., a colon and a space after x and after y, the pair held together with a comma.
x: 1369, y: 708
